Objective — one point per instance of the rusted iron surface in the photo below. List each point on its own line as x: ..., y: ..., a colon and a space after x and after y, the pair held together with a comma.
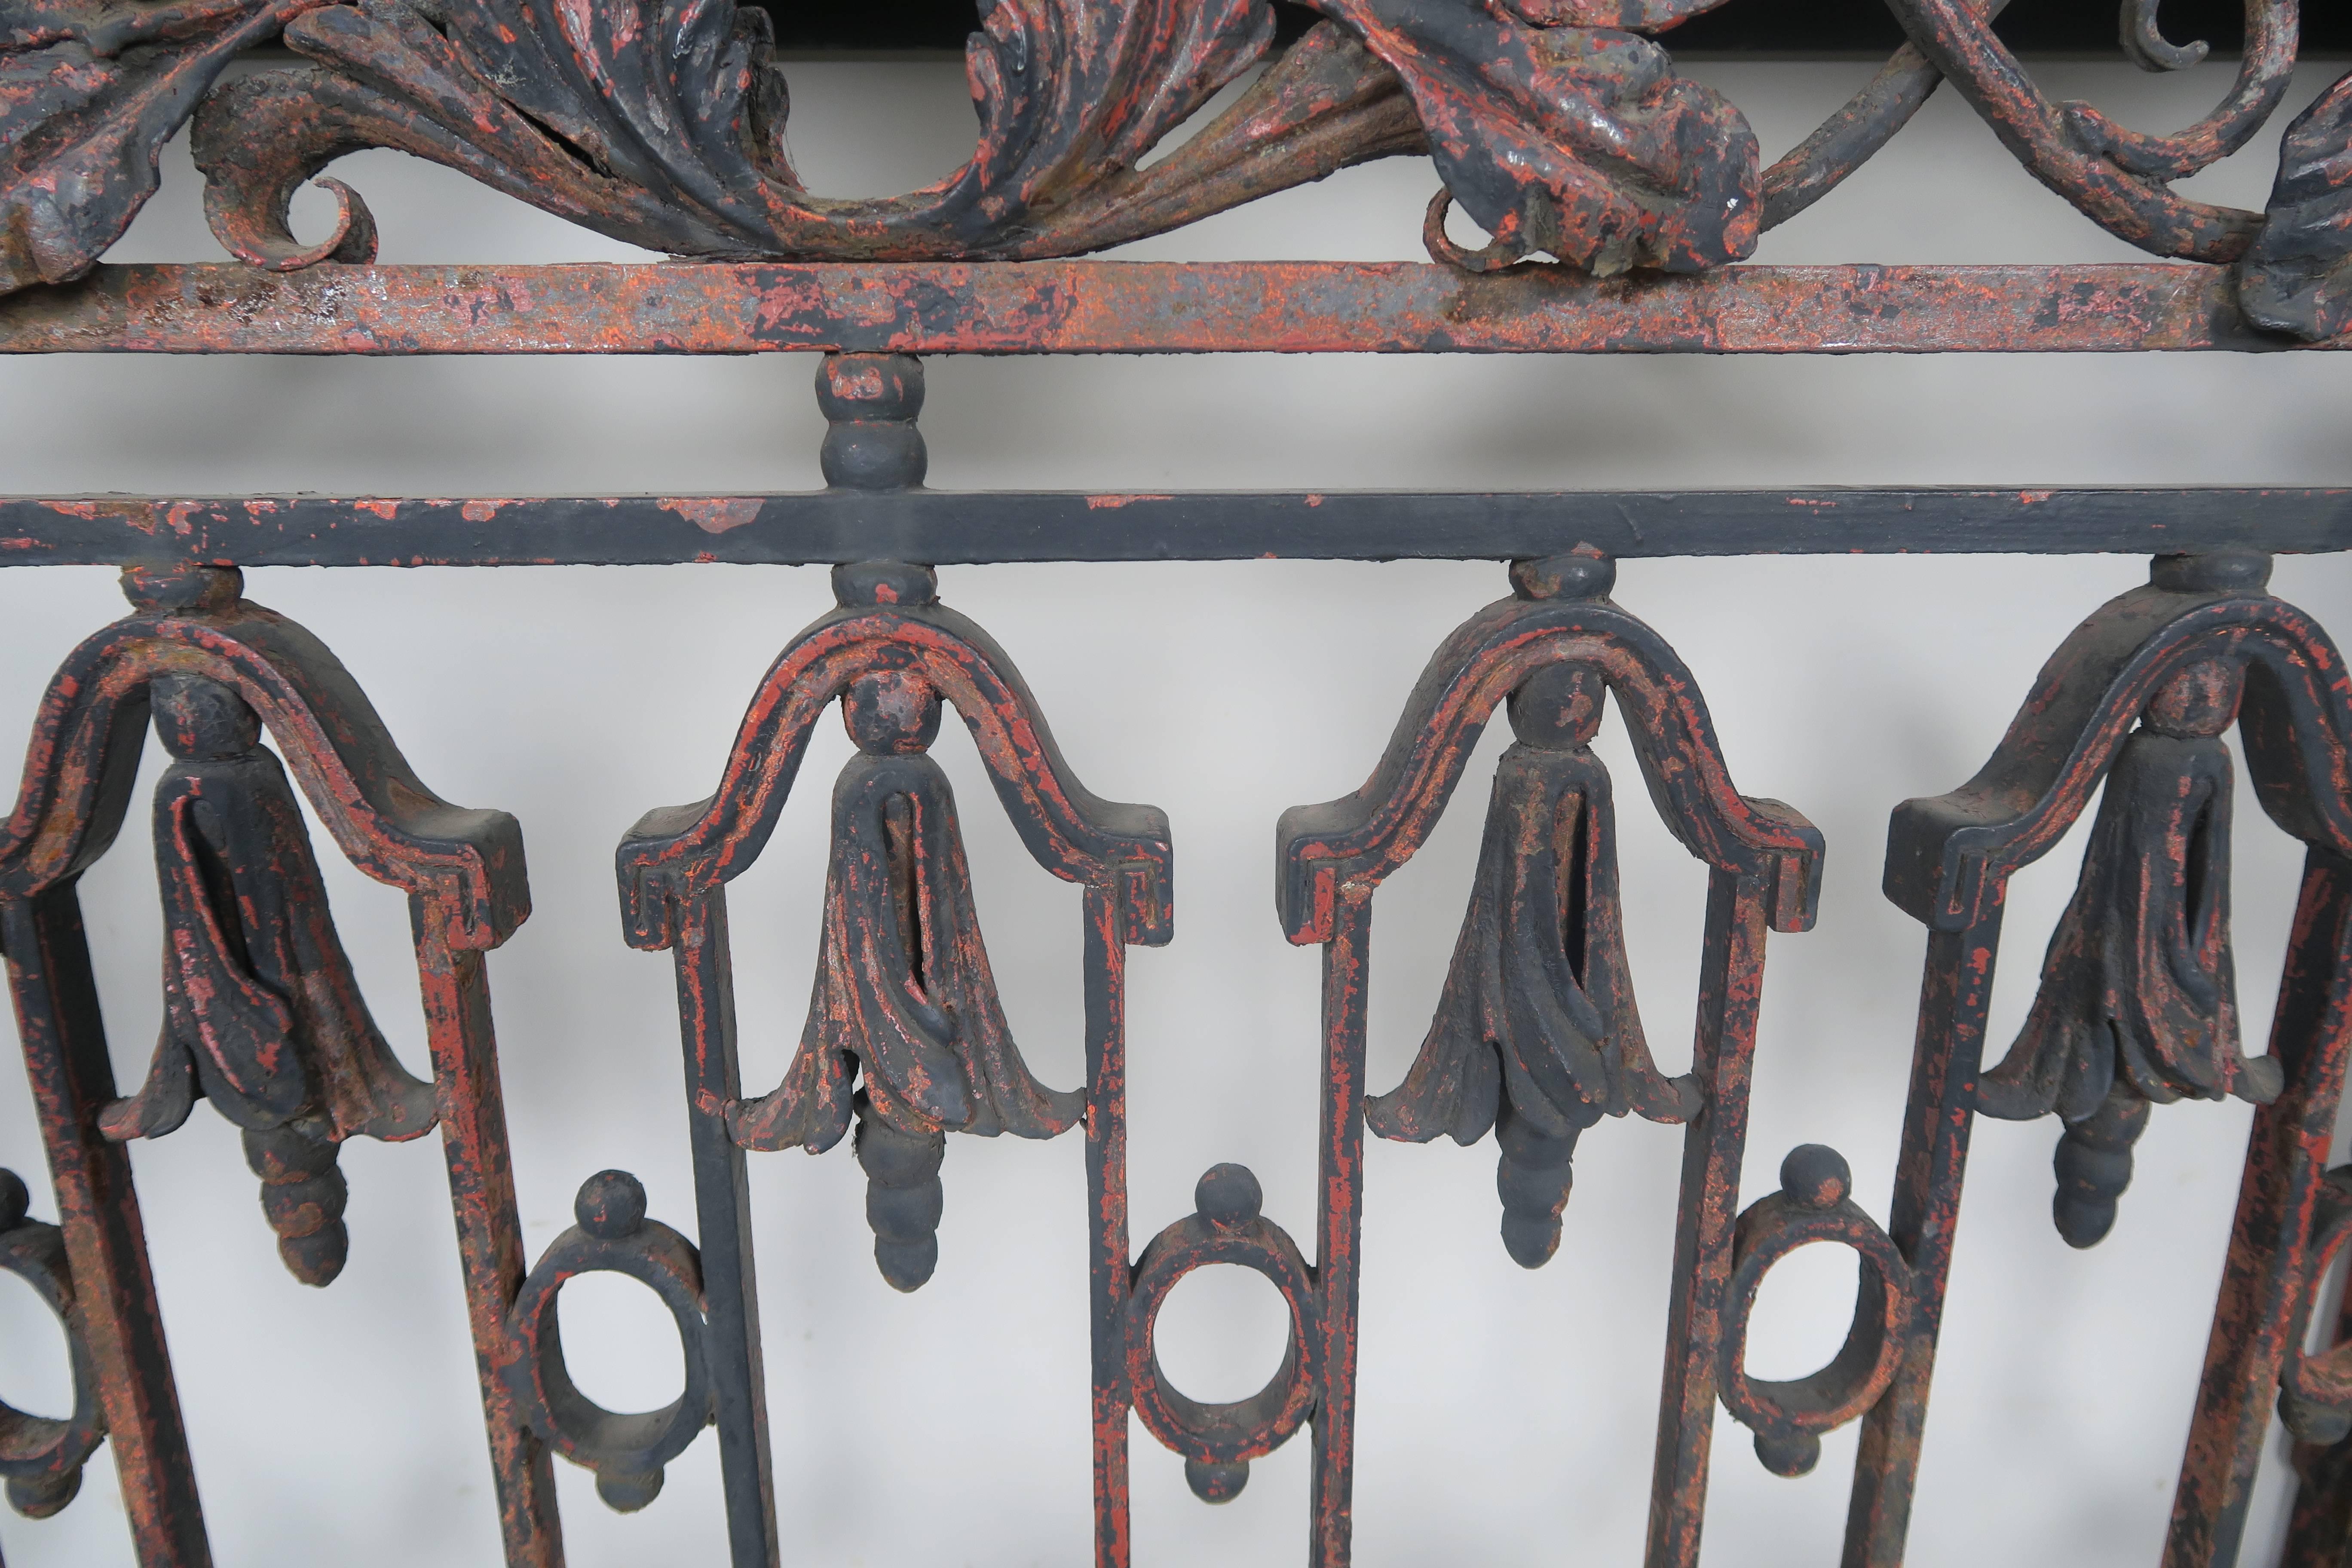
x: 1550, y: 652
x: 1133, y: 308
x: 262, y: 1014
x: 90, y: 91
x: 904, y: 1031
x: 612, y: 1236
x: 262, y: 1017
x: 1559, y: 126
x: 1534, y: 1036
x: 2297, y: 276
x: 2154, y: 669
x: 41, y: 1457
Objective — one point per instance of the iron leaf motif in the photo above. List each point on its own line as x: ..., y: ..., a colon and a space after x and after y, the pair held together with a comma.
x: 1537, y: 1034
x: 90, y: 91
x: 2297, y: 276
x: 2138, y: 999
x: 661, y: 121
x: 262, y: 1014
x: 904, y: 1025
x: 1559, y: 132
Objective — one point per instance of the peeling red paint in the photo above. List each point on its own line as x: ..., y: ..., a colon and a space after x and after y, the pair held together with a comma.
x: 715, y: 515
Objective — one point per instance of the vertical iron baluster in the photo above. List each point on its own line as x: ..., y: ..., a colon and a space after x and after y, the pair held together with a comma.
x: 464, y: 873
x: 2202, y: 624
x: 1731, y: 978
x: 723, y: 1204
x: 457, y: 988
x: 1955, y: 993
x: 2286, y: 1158
x: 1339, y: 1220
x: 1109, y: 1268
x: 1549, y: 651
x: 64, y: 1039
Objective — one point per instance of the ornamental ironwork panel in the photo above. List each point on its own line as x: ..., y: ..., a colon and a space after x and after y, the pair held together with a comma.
x: 1618, y: 201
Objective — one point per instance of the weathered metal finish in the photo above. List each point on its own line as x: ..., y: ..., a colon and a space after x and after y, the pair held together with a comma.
x: 1134, y: 307
x: 262, y: 1014
x: 903, y: 999
x: 2297, y: 276
x: 2170, y: 656
x: 1561, y: 128
x: 612, y: 1236
x: 1535, y: 1035
x: 1558, y: 126
x: 1548, y: 651
x: 90, y: 91
x: 212, y: 661
x: 1811, y: 1206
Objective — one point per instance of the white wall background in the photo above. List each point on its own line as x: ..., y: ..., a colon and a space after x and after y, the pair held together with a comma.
x: 1507, y: 1416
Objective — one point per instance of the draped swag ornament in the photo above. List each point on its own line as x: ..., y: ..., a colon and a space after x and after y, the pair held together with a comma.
x: 2138, y: 999
x: 262, y: 1014
x: 1536, y: 1033
x: 904, y: 1030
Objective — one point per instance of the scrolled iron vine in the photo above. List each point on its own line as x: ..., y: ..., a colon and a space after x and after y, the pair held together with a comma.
x: 1813, y: 1207
x: 41, y: 1457
x: 612, y: 1236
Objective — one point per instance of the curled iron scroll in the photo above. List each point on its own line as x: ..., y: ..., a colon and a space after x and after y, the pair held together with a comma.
x: 41, y: 1457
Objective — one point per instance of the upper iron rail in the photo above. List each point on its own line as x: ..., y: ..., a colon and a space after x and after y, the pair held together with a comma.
x: 1112, y: 306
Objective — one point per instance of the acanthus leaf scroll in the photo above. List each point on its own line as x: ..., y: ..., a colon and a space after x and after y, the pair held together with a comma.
x: 1562, y: 136
x: 90, y: 91
x: 661, y: 123
x: 2296, y: 278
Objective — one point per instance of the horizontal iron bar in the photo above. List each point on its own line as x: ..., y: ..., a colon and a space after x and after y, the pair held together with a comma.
x: 1114, y: 307
x: 947, y: 527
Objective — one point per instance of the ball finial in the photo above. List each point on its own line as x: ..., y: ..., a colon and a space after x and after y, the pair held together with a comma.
x: 1228, y: 1196
x: 1815, y: 1176
x: 611, y: 1205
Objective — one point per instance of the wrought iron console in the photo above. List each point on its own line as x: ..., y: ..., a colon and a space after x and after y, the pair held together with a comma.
x: 1559, y: 127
